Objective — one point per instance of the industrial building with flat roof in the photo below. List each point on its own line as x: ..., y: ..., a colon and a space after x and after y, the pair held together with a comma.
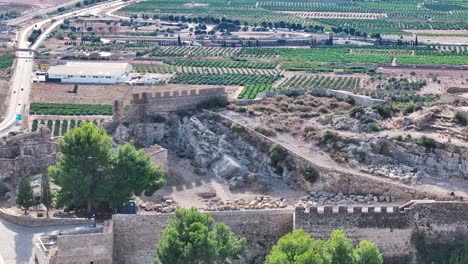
x: 89, y: 72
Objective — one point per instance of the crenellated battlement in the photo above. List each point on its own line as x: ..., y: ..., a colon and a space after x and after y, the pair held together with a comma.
x: 343, y: 209
x: 148, y: 97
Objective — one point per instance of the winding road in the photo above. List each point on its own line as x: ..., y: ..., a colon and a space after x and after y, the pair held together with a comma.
x: 21, y: 81
x: 16, y: 242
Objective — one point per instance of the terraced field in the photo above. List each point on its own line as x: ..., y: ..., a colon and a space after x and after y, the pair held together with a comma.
x: 383, y: 17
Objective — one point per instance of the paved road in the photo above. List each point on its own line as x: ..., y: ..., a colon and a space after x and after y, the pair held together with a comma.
x: 21, y: 81
x: 16, y: 242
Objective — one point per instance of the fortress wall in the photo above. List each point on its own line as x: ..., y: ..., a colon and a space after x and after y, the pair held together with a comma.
x: 135, y: 236
x: 86, y: 248
x: 148, y: 104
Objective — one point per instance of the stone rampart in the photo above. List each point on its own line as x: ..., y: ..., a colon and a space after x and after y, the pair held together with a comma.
x: 135, y: 236
x: 148, y: 104
x: 85, y: 248
x: 41, y: 221
x: 391, y: 228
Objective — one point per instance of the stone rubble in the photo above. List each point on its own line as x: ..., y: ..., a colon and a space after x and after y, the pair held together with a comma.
x: 260, y: 202
x: 167, y: 205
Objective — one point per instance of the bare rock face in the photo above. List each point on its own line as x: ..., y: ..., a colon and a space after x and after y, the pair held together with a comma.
x: 212, y: 146
x: 403, y: 159
x: 417, y: 120
x: 227, y: 166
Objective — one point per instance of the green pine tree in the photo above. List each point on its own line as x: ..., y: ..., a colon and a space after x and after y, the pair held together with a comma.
x: 25, y: 197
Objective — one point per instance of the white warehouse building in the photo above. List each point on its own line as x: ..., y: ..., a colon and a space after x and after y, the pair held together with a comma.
x: 89, y: 72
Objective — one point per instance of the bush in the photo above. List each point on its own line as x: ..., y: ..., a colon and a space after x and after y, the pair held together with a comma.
x: 277, y: 153
x: 328, y: 136
x: 358, y: 109
x: 265, y: 131
x: 459, y: 118
x: 410, y: 108
x: 350, y: 100
x: 311, y: 174
x: 383, y: 110
x: 427, y: 142
x: 374, y: 127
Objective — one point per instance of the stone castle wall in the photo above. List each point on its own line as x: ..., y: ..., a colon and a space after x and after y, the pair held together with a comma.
x: 85, y: 248
x: 132, y: 238
x: 135, y: 236
x: 147, y: 104
x: 391, y: 228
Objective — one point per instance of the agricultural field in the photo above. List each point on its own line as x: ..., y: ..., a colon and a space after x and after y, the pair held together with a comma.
x: 321, y: 82
x: 223, y: 64
x: 382, y: 17
x: 223, y: 79
x: 154, y: 69
x: 61, y: 127
x: 6, y: 61
x: 250, y: 91
x: 69, y: 109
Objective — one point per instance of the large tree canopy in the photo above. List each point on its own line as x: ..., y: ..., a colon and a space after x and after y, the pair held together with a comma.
x: 298, y: 247
x: 194, y: 237
x: 90, y: 174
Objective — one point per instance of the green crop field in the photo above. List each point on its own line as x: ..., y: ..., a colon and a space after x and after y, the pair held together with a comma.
x: 224, y: 79
x: 6, y: 61
x: 391, y: 17
x: 69, y: 109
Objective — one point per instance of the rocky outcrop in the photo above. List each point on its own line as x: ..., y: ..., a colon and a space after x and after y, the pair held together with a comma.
x: 406, y: 158
x: 213, y: 147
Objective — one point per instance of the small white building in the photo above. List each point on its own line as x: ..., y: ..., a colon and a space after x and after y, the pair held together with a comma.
x: 89, y: 72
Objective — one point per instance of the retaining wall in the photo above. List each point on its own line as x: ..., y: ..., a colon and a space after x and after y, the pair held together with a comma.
x: 41, y: 221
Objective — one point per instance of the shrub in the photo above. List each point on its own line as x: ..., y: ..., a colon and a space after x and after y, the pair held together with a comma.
x: 427, y: 142
x: 358, y: 109
x: 265, y: 131
x: 459, y: 118
x: 374, y: 127
x: 383, y: 110
x: 410, y: 108
x: 277, y: 153
x: 311, y: 174
x: 350, y: 100
x: 328, y: 136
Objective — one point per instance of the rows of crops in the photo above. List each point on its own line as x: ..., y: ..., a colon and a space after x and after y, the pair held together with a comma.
x: 155, y: 69
x: 69, y: 109
x: 250, y: 91
x: 6, y: 61
x: 322, y: 82
x: 223, y: 79
x: 434, y: 59
x: 223, y: 64
x: 209, y: 70
x: 60, y: 127
x: 214, y: 52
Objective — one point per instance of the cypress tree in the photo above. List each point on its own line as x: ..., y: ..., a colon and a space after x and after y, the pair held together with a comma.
x: 25, y: 197
x: 46, y: 194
